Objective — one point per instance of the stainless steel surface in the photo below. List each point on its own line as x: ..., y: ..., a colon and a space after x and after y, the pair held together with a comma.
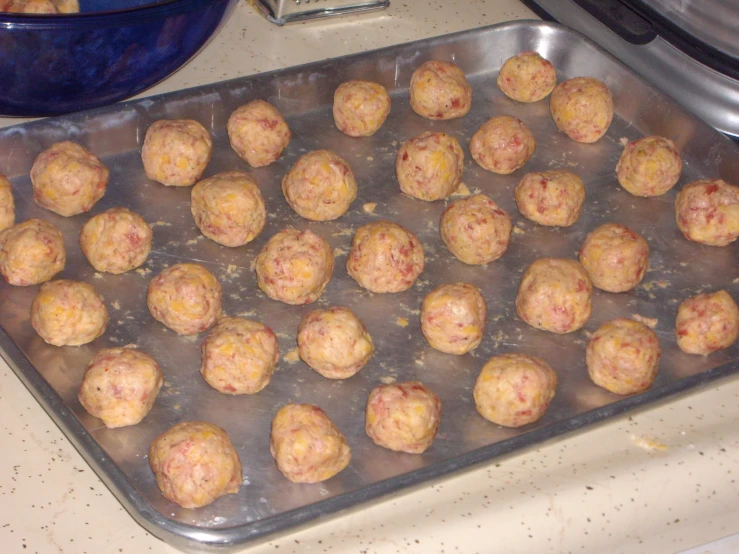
x: 289, y: 11
x: 267, y: 502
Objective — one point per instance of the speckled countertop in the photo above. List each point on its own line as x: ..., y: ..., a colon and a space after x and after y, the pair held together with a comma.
x: 663, y: 480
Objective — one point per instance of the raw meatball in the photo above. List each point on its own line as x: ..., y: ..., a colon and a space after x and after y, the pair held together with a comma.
x: 195, y: 463
x: 623, y: 356
x: 239, y: 356
x: 40, y: 6
x: 31, y: 252
x: 7, y: 204
x: 475, y: 230
x: 429, y: 166
x: 708, y: 212
x: 176, y: 152
x: 68, y: 179
x: 306, y: 445
x: 120, y: 386
x: 258, y: 133
x: 502, y: 144
x: 707, y: 322
x: 514, y: 389
x: 320, y: 186
x: 116, y: 241
x: 555, y: 295
x: 385, y: 257
x: 228, y: 208
x: 453, y: 318
x: 403, y: 417
x: 334, y: 342
x: 649, y: 166
x: 68, y: 313
x: 360, y: 107
x: 552, y: 198
x: 615, y: 257
x: 295, y: 266
x: 582, y: 108
x: 527, y: 77
x: 439, y: 90
x: 185, y: 297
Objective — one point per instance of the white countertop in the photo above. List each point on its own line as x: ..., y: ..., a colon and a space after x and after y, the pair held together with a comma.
x: 604, y: 490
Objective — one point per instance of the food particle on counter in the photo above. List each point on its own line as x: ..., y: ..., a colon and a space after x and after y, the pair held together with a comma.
x: 116, y: 240
x: 31, y: 252
x: 360, y: 107
x: 527, y: 77
x: 369, y: 207
x: 502, y: 144
x: 649, y: 166
x: 258, y: 133
x: 453, y: 318
x: 292, y: 356
x: 429, y: 167
x: 708, y: 212
x: 552, y: 198
x: 615, y: 257
x: 176, y: 152
x: 582, y: 108
x: 650, y: 444
x: 401, y: 322
x: 707, y: 322
x: 650, y: 322
x: 439, y: 90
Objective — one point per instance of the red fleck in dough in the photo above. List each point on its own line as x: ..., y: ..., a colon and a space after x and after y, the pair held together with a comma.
x: 582, y: 108
x: 195, y: 463
x: 502, y: 144
x: 31, y: 252
x: 7, y: 204
x: 429, y: 166
x: 403, y: 417
x: 623, y: 356
x: 649, y: 166
x: 475, y: 230
x: 186, y: 298
x: 551, y: 198
x: 228, y: 208
x: 120, y: 386
x: 258, y: 133
x: 116, y: 240
x: 306, y: 445
x: 334, y: 342
x: 708, y: 212
x: 555, y: 295
x: 360, y: 107
x: 527, y: 77
x: 453, y: 318
x: 176, y: 152
x: 40, y: 6
x: 385, y: 257
x: 514, y: 389
x: 295, y: 266
x: 439, y: 90
x: 707, y: 322
x: 615, y: 257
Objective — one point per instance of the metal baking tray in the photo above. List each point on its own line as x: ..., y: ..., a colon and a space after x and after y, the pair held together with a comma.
x: 268, y: 503
x: 292, y: 11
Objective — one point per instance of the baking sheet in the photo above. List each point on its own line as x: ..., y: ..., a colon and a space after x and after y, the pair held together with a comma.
x: 268, y: 502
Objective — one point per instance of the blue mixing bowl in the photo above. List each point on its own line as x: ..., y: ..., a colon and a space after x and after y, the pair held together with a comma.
x: 112, y: 50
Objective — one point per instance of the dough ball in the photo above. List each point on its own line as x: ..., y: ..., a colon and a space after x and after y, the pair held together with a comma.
x: 439, y: 90
x: 403, y: 417
x: 514, y: 389
x: 68, y: 179
x: 295, y: 266
x: 453, y: 318
x: 385, y: 257
x: 31, y: 252
x: 429, y: 166
x: 116, y: 241
x: 615, y: 257
x: 708, y: 212
x: 185, y: 297
x: 68, y: 313
x: 649, y: 166
x: 582, y: 108
x: 475, y: 230
x: 228, y: 208
x: 502, y: 144
x: 120, y: 386
x: 40, y: 6
x: 306, y: 445
x: 623, y: 356
x: 239, y: 356
x: 7, y: 204
x: 176, y: 152
x: 551, y: 198
x: 195, y: 463
x: 527, y: 77
x: 320, y: 186
x: 258, y: 133
x: 555, y: 295
x: 334, y: 342
x: 360, y: 107
x: 707, y: 322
